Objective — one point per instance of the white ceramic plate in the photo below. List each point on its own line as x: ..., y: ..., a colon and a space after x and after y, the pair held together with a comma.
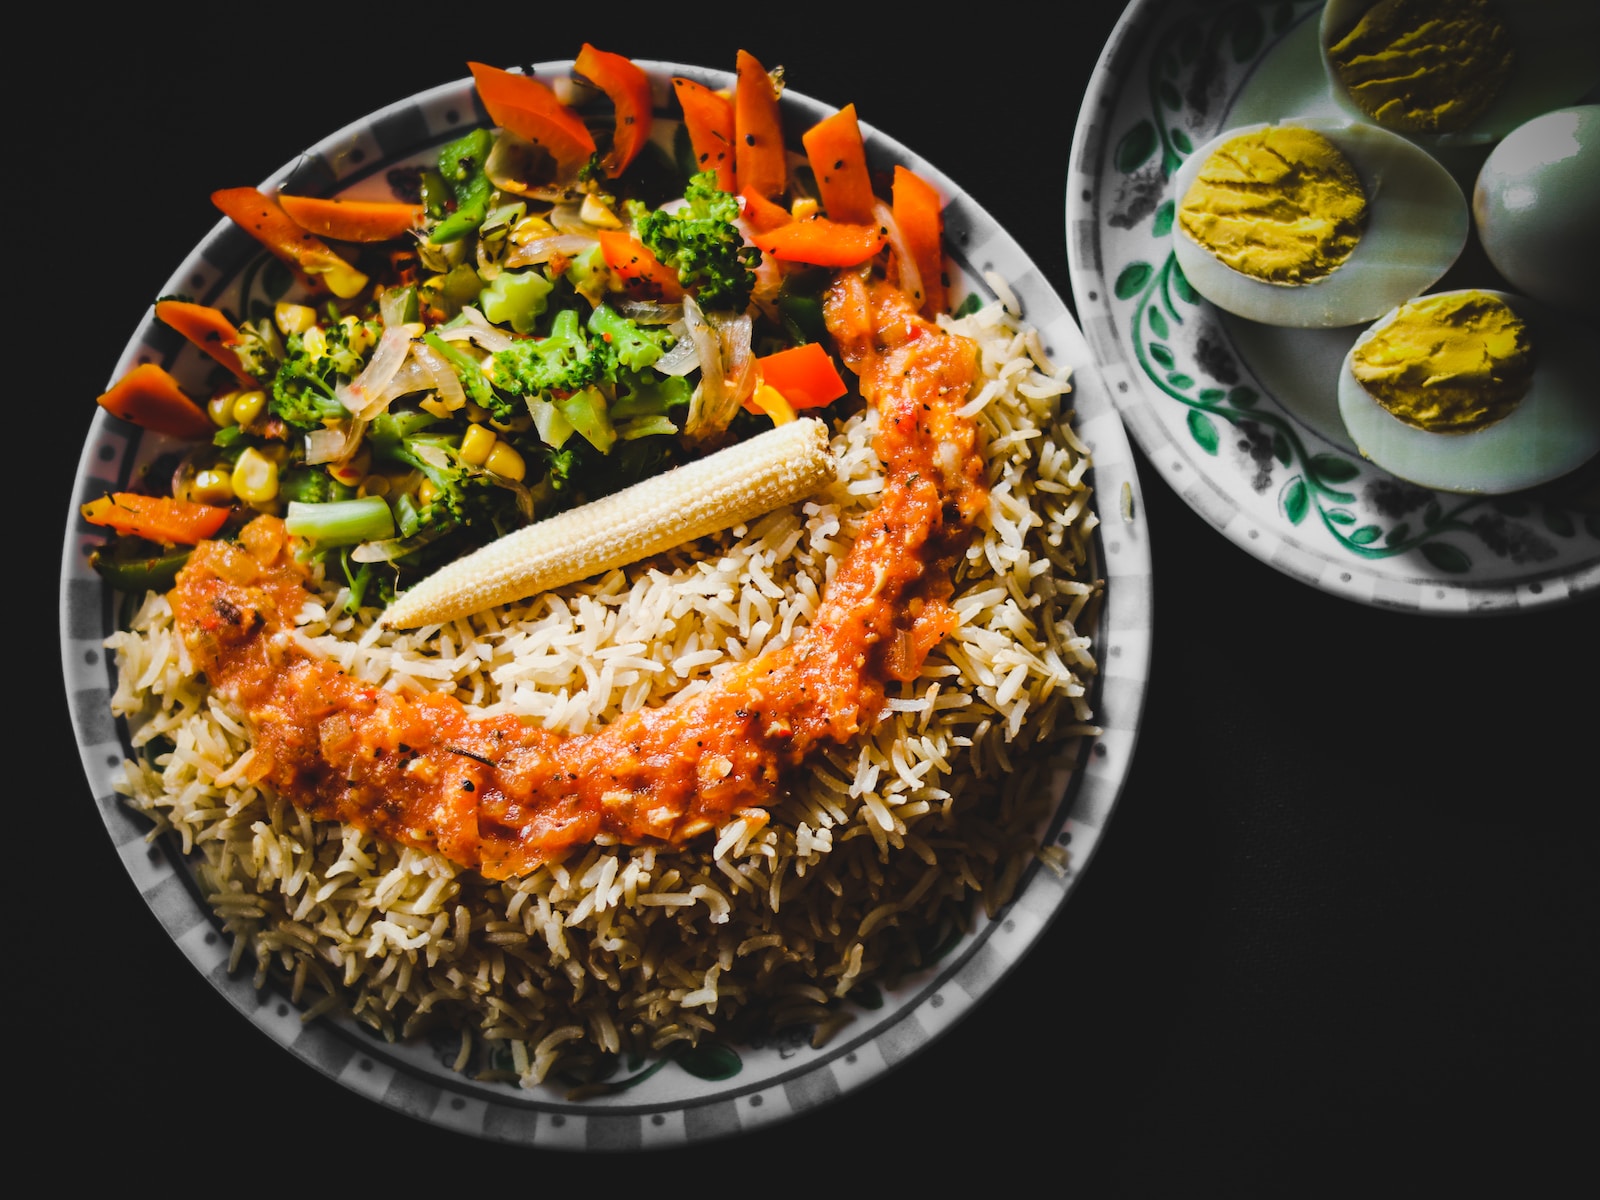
x: 1240, y: 419
x: 737, y: 1087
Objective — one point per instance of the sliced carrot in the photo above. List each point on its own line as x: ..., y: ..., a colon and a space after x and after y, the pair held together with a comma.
x: 527, y: 108
x: 163, y: 519
x: 708, y: 116
x: 838, y: 159
x: 263, y: 218
x: 628, y: 86
x: 209, y: 330
x: 150, y: 398
x: 352, y: 220
x: 804, y: 375
x: 822, y: 243
x: 632, y: 262
x: 918, y: 211
x: 762, y: 214
x: 758, y: 153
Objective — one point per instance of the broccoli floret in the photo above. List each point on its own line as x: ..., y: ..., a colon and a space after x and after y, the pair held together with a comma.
x: 635, y: 346
x: 260, y: 348
x: 315, y: 363
x: 465, y: 497
x: 563, y: 362
x: 702, y: 244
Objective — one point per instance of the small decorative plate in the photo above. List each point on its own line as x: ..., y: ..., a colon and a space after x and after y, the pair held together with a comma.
x: 1240, y: 419
x: 728, y: 1088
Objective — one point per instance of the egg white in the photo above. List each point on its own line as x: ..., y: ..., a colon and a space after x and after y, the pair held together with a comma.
x: 1416, y: 226
x: 1553, y: 431
x: 1555, y: 64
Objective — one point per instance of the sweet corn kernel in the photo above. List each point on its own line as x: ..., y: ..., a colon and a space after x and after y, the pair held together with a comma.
x: 596, y: 213
x: 220, y: 409
x: 505, y: 462
x: 255, y: 477
x: 353, y: 472
x: 314, y: 342
x: 427, y: 492
x: 293, y: 318
x: 529, y: 228
x: 211, y: 486
x: 476, y: 443
x: 247, y: 406
x: 360, y: 334
x: 803, y: 208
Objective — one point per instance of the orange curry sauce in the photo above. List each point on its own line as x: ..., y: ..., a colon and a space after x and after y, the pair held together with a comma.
x: 503, y: 795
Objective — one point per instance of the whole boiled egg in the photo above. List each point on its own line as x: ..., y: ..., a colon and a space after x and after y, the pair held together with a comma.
x: 1471, y: 390
x: 1456, y: 73
x: 1315, y: 222
x: 1536, y: 205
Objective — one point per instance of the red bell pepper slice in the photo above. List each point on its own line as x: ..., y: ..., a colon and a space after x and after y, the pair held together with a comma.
x: 524, y: 106
x: 628, y: 87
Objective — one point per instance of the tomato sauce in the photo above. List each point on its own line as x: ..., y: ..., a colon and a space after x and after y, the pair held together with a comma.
x: 503, y: 795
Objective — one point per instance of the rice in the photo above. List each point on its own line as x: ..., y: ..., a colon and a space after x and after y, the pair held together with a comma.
x: 869, y: 868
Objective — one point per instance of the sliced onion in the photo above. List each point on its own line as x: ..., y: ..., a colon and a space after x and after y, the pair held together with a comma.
x: 366, y: 395
x: 682, y: 358
x: 325, y: 445
x: 738, y: 359
x: 708, y: 393
x: 568, y: 218
x: 376, y: 552
x: 478, y: 331
x: 445, y: 380
x: 910, y: 276
x: 650, y: 312
x: 543, y: 249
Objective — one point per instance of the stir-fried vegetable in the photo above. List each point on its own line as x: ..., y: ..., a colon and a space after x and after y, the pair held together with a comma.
x: 556, y: 312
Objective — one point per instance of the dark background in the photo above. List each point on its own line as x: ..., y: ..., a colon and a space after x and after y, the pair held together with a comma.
x: 1343, y: 925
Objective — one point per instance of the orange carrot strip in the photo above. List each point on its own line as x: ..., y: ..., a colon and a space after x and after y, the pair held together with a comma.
x: 162, y: 519
x: 209, y: 330
x: 352, y: 220
x: 758, y: 153
x: 822, y: 243
x: 263, y: 218
x: 525, y: 107
x: 804, y: 375
x: 762, y: 214
x: 628, y: 87
x: 640, y: 270
x: 150, y: 398
x: 838, y: 159
x: 918, y: 211
x: 708, y: 116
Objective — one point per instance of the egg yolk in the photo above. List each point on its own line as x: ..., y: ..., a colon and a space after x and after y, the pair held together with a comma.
x: 1448, y: 364
x: 1281, y: 204
x: 1420, y: 66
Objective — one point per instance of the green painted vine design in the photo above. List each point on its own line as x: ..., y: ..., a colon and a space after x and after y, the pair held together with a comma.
x: 1198, y: 47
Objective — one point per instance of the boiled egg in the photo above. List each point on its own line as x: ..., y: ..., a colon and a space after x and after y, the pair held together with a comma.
x: 1269, y: 192
x: 1536, y: 206
x: 1455, y: 73
x: 1471, y: 390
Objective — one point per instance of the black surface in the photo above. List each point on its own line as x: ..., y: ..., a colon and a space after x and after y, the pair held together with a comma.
x: 1342, y: 926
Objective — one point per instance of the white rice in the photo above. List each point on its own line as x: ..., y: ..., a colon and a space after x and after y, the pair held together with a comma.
x: 876, y: 858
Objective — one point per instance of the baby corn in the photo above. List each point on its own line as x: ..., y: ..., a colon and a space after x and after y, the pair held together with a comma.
x: 780, y: 466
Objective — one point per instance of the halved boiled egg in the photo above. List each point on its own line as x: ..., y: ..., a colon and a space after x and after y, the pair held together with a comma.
x: 1471, y: 390
x: 1315, y: 222
x: 1458, y: 72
